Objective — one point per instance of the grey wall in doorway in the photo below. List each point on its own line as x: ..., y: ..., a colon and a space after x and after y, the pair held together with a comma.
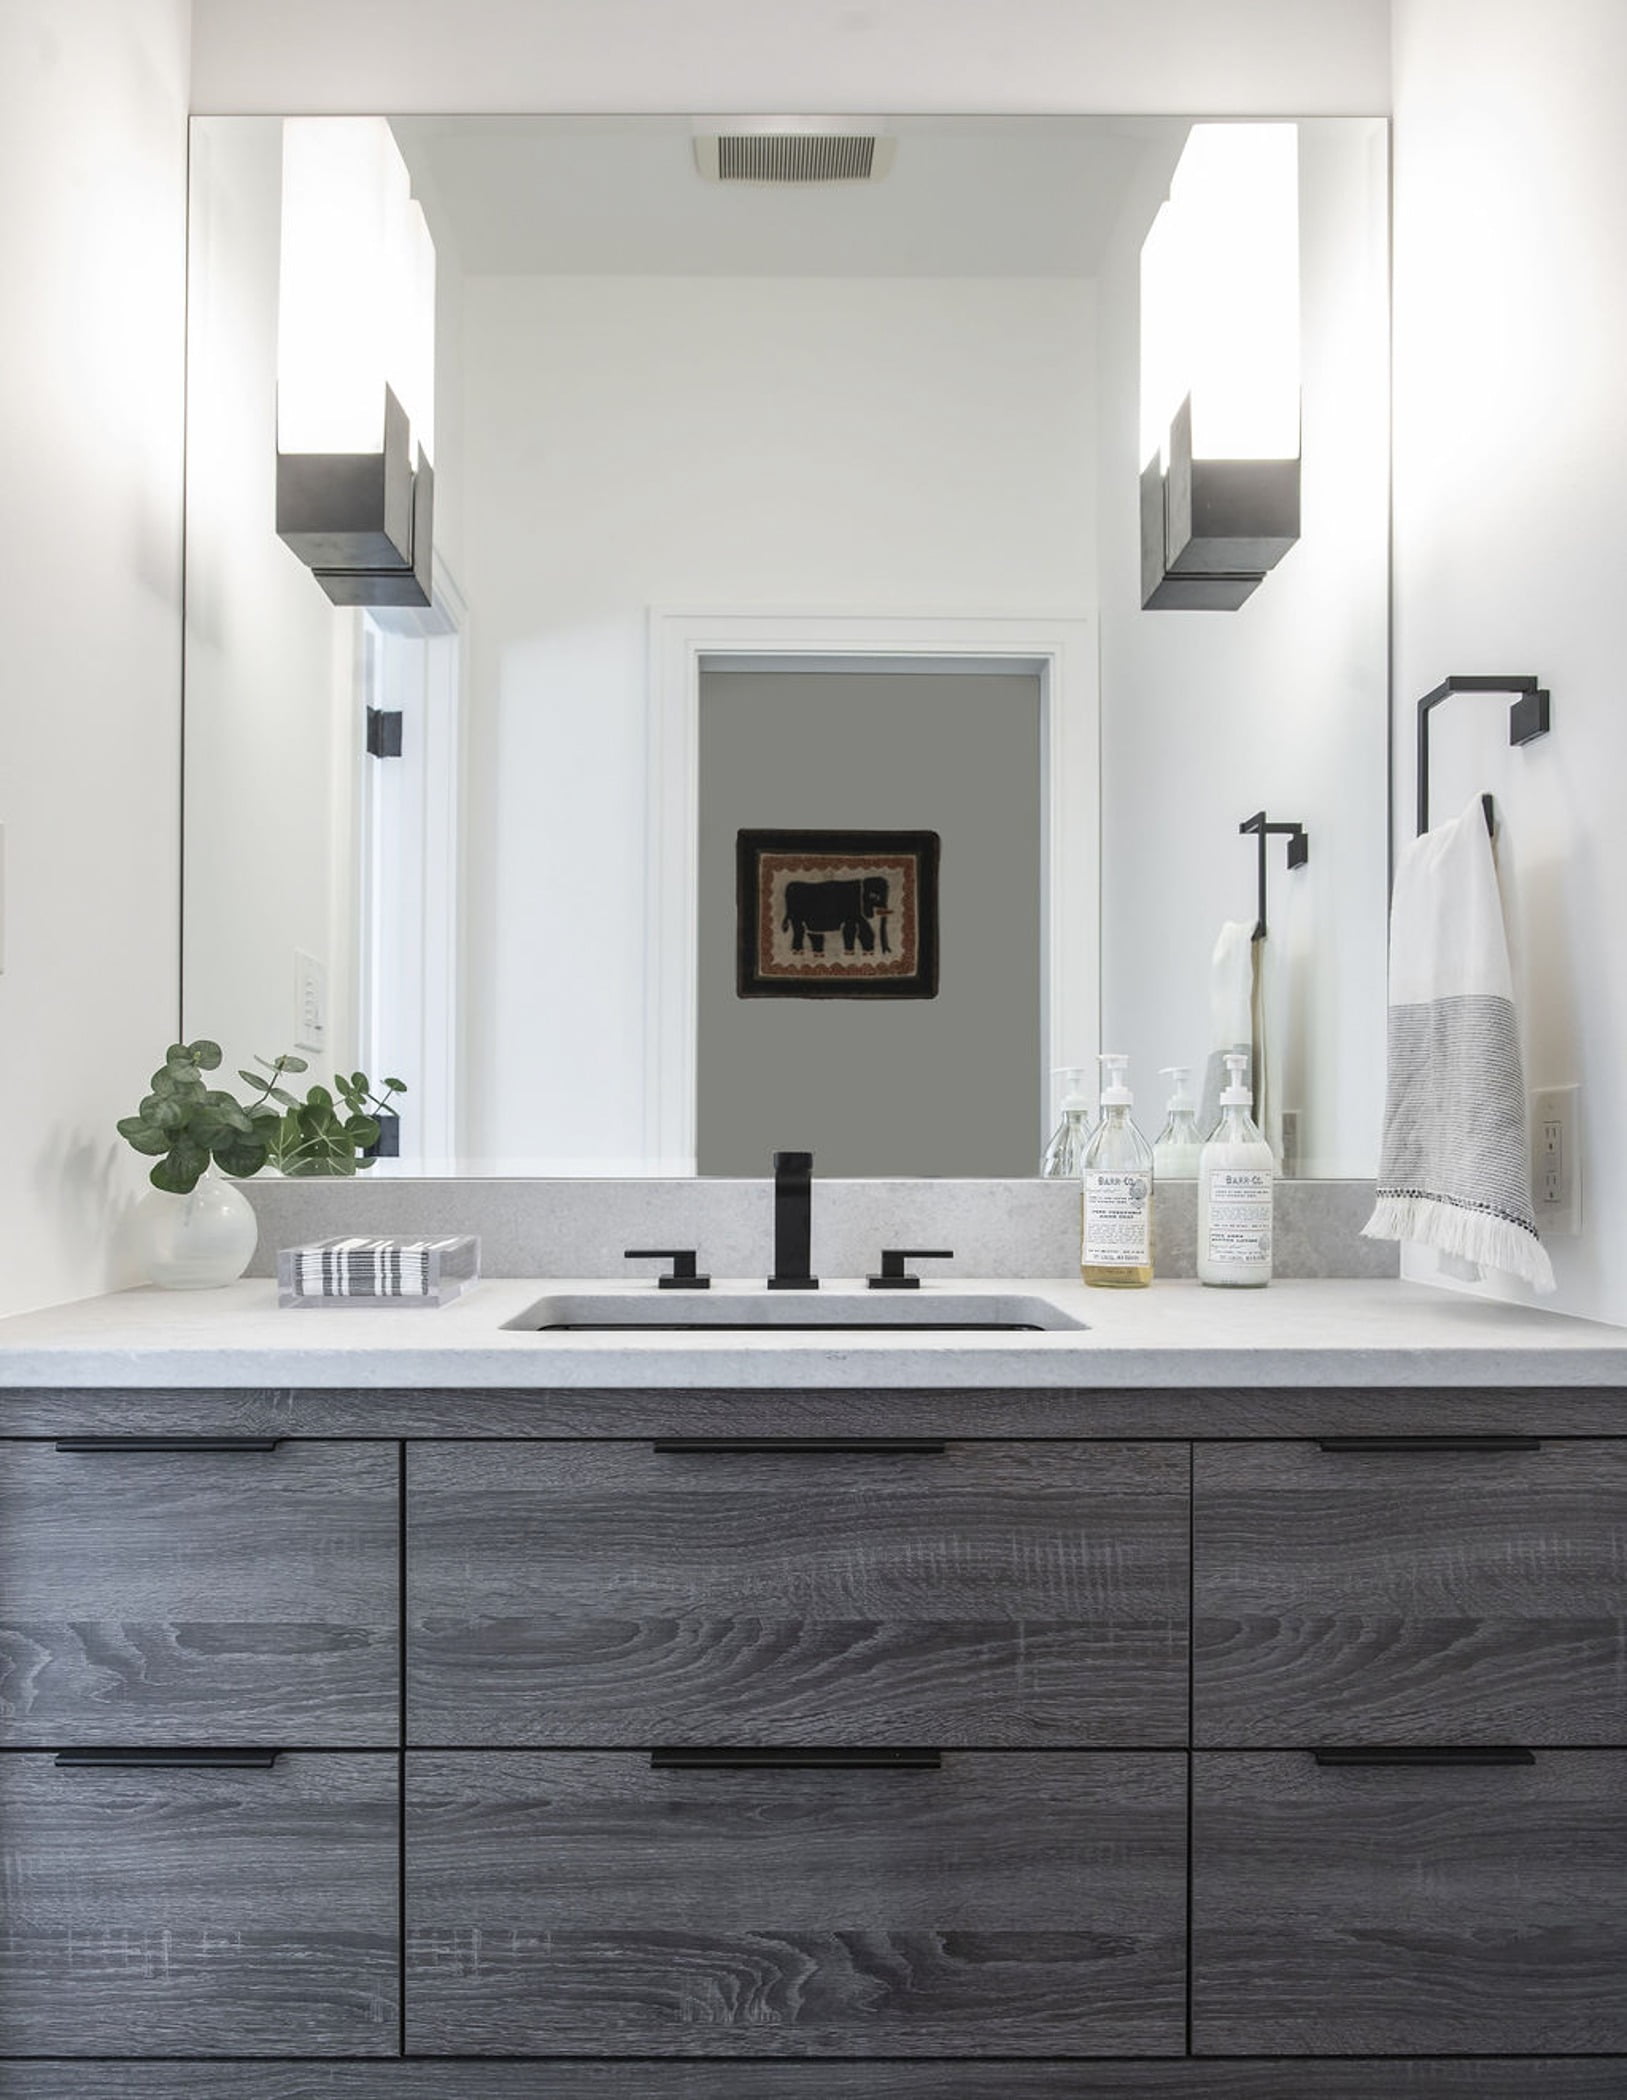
x: 948, y: 1086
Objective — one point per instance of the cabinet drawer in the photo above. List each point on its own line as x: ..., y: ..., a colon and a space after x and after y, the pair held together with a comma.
x: 153, y: 1912
x: 986, y: 1594
x: 186, y: 1595
x: 1003, y: 1905
x: 1410, y: 1595
x: 1371, y: 2078
x: 1337, y: 1911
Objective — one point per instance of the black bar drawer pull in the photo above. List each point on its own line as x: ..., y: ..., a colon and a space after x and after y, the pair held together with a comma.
x: 93, y: 1444
x: 1461, y: 1754
x: 676, y: 1759
x: 802, y: 1446
x: 1429, y: 1443
x: 170, y: 1760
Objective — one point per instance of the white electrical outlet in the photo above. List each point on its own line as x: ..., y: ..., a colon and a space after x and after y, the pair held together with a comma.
x: 310, y: 1002
x: 1556, y: 1162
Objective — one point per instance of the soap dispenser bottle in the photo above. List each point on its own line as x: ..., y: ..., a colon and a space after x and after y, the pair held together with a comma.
x: 1179, y: 1145
x: 1116, y: 1252
x: 1065, y: 1155
x: 1236, y: 1178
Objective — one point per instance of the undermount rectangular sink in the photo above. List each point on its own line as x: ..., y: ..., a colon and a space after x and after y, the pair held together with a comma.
x: 794, y: 1312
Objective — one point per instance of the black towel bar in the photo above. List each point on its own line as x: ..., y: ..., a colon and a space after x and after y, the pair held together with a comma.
x: 1528, y: 718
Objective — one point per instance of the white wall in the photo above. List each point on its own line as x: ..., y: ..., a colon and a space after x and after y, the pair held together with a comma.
x: 93, y: 100
x: 273, y: 707
x: 852, y: 446
x: 1192, y: 56
x: 1510, y: 437
x: 1210, y: 716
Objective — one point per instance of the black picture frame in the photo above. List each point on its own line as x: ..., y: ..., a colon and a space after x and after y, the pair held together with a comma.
x: 879, y: 942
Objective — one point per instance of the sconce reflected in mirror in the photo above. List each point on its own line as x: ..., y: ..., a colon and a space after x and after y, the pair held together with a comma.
x: 1220, y: 369
x: 355, y: 363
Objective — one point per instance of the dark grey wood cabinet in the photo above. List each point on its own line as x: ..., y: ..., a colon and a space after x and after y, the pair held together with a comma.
x: 1436, y: 1910
x: 1467, y: 1593
x: 166, y: 1593
x: 173, y: 1912
x: 988, y: 1594
x: 999, y: 1905
x: 465, y: 1732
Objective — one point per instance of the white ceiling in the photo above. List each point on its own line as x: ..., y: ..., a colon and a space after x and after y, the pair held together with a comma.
x: 966, y: 197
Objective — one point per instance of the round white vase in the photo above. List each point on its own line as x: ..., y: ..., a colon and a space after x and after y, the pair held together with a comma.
x: 189, y: 1243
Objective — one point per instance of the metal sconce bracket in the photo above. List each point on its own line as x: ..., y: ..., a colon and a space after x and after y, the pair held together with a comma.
x: 1528, y: 718
x: 362, y: 522
x: 1299, y: 852
x: 1212, y: 529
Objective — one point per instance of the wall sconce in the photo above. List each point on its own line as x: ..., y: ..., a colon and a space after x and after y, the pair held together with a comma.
x: 355, y: 363
x: 1220, y: 369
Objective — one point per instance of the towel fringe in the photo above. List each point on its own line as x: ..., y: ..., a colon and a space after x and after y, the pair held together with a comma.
x: 1471, y: 1235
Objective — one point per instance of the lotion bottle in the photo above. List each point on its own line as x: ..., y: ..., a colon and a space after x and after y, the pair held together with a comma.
x: 1179, y: 1146
x: 1236, y: 1178
x: 1116, y: 1253
x: 1065, y: 1154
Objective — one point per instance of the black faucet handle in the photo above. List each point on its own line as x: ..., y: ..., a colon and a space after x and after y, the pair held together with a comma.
x: 683, y: 1276
x: 895, y: 1277
x: 800, y: 1163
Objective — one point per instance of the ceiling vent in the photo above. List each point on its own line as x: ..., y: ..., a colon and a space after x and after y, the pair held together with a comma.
x: 796, y: 150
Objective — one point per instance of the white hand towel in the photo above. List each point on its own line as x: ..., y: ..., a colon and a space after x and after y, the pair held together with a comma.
x: 1455, y: 1170
x: 1231, y: 1013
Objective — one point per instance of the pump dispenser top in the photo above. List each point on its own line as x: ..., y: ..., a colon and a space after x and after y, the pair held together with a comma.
x: 1115, y: 1094
x: 1238, y: 1093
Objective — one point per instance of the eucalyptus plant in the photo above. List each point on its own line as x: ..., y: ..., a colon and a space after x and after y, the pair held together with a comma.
x: 183, y: 1123
x: 311, y: 1136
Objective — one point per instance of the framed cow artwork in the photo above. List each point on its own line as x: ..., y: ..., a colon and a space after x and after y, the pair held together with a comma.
x: 837, y: 914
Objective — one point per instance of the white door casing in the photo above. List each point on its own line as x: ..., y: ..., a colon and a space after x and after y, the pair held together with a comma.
x: 1061, y: 651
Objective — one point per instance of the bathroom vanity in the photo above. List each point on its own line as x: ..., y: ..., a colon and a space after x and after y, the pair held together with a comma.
x: 1224, y: 1698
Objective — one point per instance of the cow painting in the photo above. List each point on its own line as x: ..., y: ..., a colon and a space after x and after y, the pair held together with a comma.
x: 813, y: 909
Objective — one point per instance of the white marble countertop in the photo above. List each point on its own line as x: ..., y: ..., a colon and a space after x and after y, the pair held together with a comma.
x: 1351, y: 1333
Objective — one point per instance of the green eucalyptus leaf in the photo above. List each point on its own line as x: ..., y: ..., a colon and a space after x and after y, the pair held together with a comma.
x: 319, y: 1097
x: 362, y: 1131
x: 146, y: 1137
x: 180, y: 1170
x: 163, y: 1081
x: 167, y: 1112
x: 395, y: 1086
x: 290, y: 1063
x: 240, y: 1156
x: 204, y: 1054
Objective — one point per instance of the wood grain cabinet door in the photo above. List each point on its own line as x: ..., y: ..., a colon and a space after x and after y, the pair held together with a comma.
x: 1457, y: 1593
x: 1001, y: 1905
x: 977, y: 1593
x: 162, y: 1595
x: 1352, y: 1910
x: 158, y: 1911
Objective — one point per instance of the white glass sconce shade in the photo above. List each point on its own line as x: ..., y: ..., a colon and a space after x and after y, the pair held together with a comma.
x: 355, y: 363
x: 1219, y: 422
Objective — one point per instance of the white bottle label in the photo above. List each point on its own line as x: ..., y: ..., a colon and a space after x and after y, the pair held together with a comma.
x: 1240, y: 1215
x: 1118, y: 1219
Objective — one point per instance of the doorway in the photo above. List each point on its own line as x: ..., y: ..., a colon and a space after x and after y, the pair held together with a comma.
x: 877, y: 1086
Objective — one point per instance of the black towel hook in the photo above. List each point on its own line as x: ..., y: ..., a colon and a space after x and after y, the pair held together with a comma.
x: 1299, y: 852
x: 1528, y: 719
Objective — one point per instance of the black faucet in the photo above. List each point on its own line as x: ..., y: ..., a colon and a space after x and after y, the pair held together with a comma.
x: 793, y: 1222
